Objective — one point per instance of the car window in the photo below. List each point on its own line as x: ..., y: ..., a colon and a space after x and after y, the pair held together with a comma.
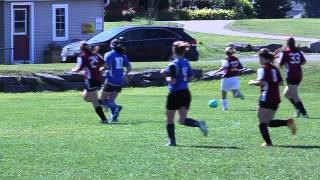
x: 134, y: 35
x: 159, y: 34
x: 106, y: 35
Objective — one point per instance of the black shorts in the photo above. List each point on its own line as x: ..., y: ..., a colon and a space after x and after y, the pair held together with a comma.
x: 111, y: 88
x: 267, y: 105
x: 92, y: 85
x: 293, y: 81
x: 179, y: 99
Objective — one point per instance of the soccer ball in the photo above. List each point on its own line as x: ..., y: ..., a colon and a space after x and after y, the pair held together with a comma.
x: 213, y: 103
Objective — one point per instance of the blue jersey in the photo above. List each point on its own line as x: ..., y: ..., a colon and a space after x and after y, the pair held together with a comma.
x: 115, y: 63
x: 180, y: 69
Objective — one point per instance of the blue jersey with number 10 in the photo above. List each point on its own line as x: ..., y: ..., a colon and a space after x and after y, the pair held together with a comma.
x: 182, y: 73
x: 115, y: 63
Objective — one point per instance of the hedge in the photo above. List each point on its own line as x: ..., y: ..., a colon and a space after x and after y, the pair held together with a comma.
x: 199, y: 14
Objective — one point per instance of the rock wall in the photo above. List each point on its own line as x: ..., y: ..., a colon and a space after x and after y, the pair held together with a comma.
x: 39, y: 82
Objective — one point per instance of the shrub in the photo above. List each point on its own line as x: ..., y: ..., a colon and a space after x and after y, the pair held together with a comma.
x: 174, y: 14
x: 247, y: 9
x: 212, y: 14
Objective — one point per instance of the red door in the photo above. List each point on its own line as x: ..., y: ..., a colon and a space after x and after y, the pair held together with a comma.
x: 21, y: 36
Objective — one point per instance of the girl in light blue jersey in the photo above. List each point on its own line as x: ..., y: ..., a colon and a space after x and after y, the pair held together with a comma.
x: 118, y: 66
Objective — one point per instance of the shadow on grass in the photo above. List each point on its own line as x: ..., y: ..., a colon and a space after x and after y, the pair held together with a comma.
x: 244, y: 110
x: 299, y: 146
x: 133, y: 123
x: 210, y: 147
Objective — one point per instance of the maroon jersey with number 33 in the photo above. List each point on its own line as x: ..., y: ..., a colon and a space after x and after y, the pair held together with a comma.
x: 271, y: 78
x: 293, y: 59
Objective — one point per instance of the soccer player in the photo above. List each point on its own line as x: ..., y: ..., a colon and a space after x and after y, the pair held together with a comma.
x: 293, y: 59
x: 230, y: 81
x: 91, y: 62
x: 178, y: 73
x: 269, y: 79
x: 116, y: 62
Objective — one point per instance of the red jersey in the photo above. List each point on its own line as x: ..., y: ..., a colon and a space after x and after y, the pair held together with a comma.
x: 91, y: 65
x: 271, y: 78
x: 293, y: 59
x: 233, y: 66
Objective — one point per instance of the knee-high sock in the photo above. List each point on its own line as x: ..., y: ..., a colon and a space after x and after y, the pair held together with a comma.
x: 293, y: 103
x: 100, y: 113
x: 278, y: 123
x: 113, y: 106
x: 191, y: 122
x: 265, y: 133
x: 301, y: 108
x: 224, y: 103
x: 171, y: 133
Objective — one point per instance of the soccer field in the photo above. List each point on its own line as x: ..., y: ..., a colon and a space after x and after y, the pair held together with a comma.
x: 58, y: 136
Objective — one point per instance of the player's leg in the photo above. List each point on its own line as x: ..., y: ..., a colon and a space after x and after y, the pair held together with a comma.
x: 224, y: 87
x: 170, y: 127
x: 235, y: 88
x: 184, y: 120
x: 115, y: 108
x: 92, y: 96
x: 265, y: 116
x: 293, y: 89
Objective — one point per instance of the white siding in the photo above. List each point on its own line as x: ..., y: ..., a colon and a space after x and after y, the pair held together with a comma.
x: 7, y: 31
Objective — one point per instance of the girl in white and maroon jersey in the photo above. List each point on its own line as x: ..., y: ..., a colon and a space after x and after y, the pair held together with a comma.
x: 293, y: 59
x: 231, y: 67
x: 269, y: 79
x: 91, y: 63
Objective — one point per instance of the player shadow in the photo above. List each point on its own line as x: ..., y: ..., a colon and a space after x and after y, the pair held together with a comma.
x: 299, y: 146
x: 245, y: 110
x: 210, y: 147
x: 132, y: 123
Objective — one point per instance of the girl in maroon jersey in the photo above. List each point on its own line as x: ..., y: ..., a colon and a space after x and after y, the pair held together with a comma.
x: 269, y: 79
x: 231, y: 67
x: 293, y: 59
x: 91, y: 62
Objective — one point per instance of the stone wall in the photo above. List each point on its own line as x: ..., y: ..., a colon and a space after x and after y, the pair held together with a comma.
x: 39, y: 82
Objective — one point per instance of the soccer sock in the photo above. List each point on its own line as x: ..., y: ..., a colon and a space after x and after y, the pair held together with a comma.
x: 100, y: 113
x: 265, y: 133
x: 301, y: 108
x: 191, y: 122
x: 224, y: 103
x: 113, y: 106
x: 171, y: 134
x: 293, y: 103
x: 278, y: 123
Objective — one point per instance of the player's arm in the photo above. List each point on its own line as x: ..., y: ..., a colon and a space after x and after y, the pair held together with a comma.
x: 223, y: 67
x: 79, y: 66
x: 283, y: 59
x: 171, y: 74
x: 259, y: 81
x: 303, y: 59
x: 127, y: 65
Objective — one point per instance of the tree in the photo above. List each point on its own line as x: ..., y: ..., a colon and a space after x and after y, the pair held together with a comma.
x: 312, y: 8
x: 268, y: 9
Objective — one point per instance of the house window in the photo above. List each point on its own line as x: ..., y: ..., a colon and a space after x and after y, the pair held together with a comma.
x: 20, y: 21
x: 60, y: 22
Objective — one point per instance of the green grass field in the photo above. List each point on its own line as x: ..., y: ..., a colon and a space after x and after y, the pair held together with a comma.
x: 57, y: 136
x: 289, y: 27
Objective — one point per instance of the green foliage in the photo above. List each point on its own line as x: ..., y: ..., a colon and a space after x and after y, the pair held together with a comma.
x: 268, y: 9
x: 312, y: 9
x: 247, y: 8
x: 212, y: 14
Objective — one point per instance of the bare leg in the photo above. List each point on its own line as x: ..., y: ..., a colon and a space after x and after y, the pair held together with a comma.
x: 170, y: 127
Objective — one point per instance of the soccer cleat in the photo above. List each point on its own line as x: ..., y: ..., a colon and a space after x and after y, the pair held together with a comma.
x: 266, y: 145
x: 116, y: 114
x: 203, y: 127
x: 297, y: 114
x: 173, y: 144
x: 224, y: 109
x: 105, y: 121
x: 292, y: 126
x: 305, y: 116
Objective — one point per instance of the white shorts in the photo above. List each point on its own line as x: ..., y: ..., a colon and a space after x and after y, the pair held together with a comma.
x: 230, y: 83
